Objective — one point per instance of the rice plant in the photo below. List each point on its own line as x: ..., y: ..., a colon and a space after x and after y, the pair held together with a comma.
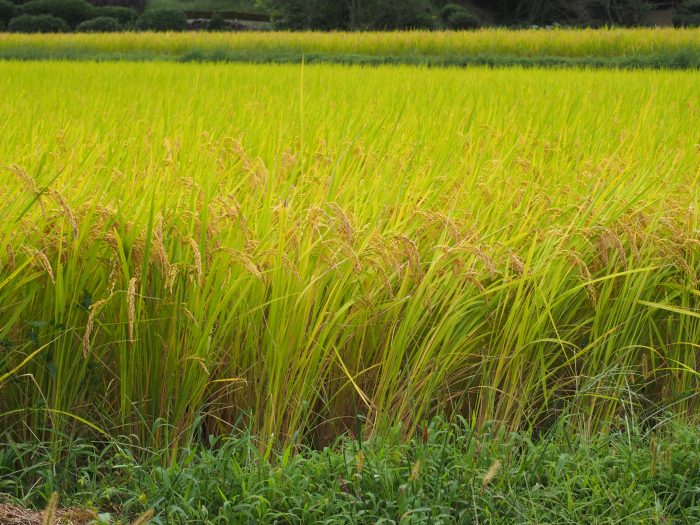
x: 570, y: 43
x: 316, y: 248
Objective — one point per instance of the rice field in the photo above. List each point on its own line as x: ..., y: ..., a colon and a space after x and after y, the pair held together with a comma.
x: 414, y: 45
x: 186, y: 247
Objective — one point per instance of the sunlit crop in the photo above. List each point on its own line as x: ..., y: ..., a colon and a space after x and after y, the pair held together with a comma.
x: 184, y: 247
x: 427, y: 44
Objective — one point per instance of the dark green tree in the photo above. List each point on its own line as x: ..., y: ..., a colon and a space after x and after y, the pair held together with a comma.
x: 576, y: 12
x: 7, y: 11
x: 350, y: 14
x: 455, y: 16
x: 687, y: 14
x: 403, y: 14
x: 288, y: 14
x: 407, y: 14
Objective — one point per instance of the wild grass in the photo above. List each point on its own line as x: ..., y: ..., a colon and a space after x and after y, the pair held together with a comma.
x: 612, y: 47
x: 455, y: 475
x: 185, y: 247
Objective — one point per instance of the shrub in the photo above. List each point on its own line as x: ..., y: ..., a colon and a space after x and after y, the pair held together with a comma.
x: 37, y: 24
x: 101, y: 24
x: 457, y: 17
x: 620, y: 12
x: 688, y: 14
x: 139, y: 5
x: 7, y: 11
x: 449, y: 9
x: 123, y: 15
x: 217, y: 23
x: 72, y: 11
x: 403, y: 14
x: 692, y: 20
x: 162, y: 20
x: 323, y: 15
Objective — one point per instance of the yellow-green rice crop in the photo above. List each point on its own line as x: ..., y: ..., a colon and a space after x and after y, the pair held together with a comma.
x: 188, y: 244
x: 531, y: 43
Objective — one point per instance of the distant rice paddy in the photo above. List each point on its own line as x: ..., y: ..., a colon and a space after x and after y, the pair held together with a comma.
x: 671, y: 48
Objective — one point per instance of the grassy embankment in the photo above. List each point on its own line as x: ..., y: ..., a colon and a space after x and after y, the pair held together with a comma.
x: 455, y: 476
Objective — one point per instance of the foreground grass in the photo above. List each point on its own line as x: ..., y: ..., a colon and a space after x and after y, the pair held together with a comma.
x: 194, y: 244
x: 446, y: 474
x: 621, y: 48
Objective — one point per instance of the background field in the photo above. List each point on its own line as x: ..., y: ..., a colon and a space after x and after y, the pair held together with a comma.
x: 188, y: 247
x: 668, y: 48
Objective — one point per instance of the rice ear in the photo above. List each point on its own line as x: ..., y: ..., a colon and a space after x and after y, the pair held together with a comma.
x: 131, y: 304
x: 94, y: 311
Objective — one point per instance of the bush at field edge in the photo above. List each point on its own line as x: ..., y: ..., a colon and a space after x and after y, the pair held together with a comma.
x: 72, y: 11
x: 162, y: 20
x: 455, y: 16
x: 7, y: 12
x: 37, y: 24
x: 101, y: 24
x: 687, y: 14
x: 123, y: 15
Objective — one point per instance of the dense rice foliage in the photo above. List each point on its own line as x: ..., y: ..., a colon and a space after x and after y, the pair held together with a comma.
x: 442, y: 46
x: 185, y: 246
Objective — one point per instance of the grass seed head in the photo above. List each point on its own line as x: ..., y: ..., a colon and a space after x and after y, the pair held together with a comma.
x: 490, y: 474
x: 131, y: 304
x: 49, y: 517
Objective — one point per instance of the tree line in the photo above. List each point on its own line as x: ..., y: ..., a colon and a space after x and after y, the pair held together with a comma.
x: 456, y: 14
